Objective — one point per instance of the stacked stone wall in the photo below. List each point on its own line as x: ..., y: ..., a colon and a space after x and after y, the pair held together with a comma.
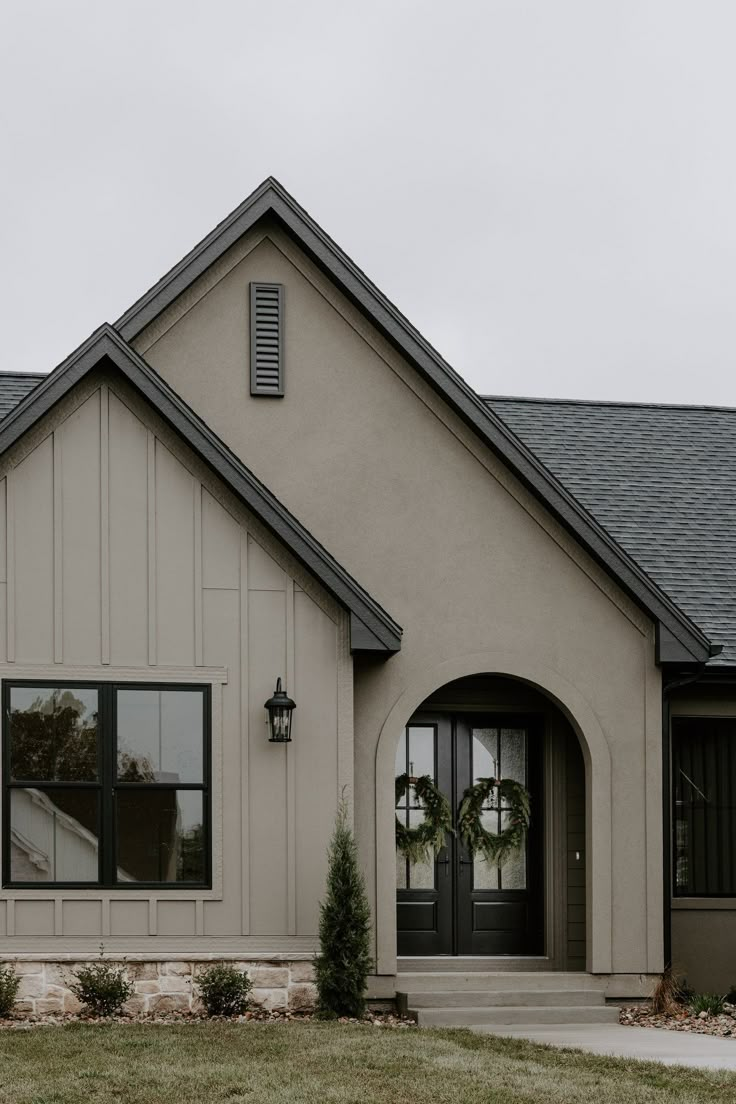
x: 164, y: 986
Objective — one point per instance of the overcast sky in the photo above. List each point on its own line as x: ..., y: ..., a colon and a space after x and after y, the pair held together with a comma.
x: 547, y: 188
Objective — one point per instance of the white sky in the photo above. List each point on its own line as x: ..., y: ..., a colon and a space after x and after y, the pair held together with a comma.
x: 546, y: 188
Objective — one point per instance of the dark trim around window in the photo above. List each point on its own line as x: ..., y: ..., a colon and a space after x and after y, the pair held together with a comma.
x: 703, y: 806
x: 106, y: 785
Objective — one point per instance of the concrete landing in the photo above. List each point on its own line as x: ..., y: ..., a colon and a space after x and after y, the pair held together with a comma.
x: 674, y: 1048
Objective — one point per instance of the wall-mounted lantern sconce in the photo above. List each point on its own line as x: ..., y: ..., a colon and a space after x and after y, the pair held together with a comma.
x: 279, y: 708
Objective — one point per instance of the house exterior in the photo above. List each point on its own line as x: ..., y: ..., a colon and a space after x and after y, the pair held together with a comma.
x: 262, y: 471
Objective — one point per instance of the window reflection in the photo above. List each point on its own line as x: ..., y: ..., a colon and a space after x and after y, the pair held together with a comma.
x: 159, y: 736
x: 160, y: 835
x: 54, y: 835
x: 53, y: 734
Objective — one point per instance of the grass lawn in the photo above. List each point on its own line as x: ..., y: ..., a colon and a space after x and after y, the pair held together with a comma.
x: 314, y: 1063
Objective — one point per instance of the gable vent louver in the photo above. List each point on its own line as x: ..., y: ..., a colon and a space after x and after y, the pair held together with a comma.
x: 267, y: 339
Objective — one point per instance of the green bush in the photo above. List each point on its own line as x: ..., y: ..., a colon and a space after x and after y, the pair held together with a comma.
x: 102, y: 988
x: 344, y: 961
x: 224, y: 989
x: 711, y: 1003
x: 8, y: 990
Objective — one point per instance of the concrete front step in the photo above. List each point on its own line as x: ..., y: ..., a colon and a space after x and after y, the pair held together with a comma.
x: 547, y: 1014
x: 465, y: 964
x: 499, y: 980
x: 489, y: 998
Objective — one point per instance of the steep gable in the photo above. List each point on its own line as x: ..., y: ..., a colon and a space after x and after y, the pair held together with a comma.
x: 209, y: 264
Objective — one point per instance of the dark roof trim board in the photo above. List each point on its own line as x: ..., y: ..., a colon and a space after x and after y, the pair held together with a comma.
x: 271, y: 199
x: 372, y: 629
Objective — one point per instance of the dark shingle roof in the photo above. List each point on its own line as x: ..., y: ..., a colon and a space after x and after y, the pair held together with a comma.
x: 662, y: 480
x: 14, y: 386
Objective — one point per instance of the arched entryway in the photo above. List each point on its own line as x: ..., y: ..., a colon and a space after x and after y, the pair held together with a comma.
x: 549, y: 907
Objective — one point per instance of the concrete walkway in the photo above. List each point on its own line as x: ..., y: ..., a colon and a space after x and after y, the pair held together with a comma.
x: 674, y: 1048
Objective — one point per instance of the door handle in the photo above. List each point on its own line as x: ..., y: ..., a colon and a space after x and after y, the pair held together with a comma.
x: 465, y: 862
x: 444, y: 862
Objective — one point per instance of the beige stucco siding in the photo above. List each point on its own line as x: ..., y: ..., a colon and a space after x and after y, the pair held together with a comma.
x: 481, y: 578
x: 127, y: 560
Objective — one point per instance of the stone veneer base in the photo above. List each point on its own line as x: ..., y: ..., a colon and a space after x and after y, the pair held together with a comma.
x: 163, y: 985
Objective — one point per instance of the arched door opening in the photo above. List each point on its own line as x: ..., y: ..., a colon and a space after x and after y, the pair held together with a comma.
x: 532, y: 906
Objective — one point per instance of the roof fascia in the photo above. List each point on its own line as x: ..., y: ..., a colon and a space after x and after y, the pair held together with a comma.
x: 272, y: 199
x: 377, y: 631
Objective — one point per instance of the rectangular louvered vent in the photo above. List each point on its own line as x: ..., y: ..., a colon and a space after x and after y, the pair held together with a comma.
x: 266, y: 339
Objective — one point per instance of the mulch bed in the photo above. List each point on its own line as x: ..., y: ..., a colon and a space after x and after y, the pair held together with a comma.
x: 641, y: 1015
x: 28, y: 1022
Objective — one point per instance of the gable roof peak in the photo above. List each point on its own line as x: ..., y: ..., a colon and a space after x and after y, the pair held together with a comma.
x: 271, y: 198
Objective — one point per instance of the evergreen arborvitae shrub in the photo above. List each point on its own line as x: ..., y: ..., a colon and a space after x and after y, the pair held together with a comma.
x: 344, y: 961
x: 8, y: 989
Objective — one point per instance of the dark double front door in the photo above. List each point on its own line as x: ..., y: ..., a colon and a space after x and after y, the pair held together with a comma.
x: 459, y: 904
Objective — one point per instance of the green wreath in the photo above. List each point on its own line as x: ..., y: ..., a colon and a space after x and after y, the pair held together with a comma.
x: 494, y: 848
x: 422, y: 843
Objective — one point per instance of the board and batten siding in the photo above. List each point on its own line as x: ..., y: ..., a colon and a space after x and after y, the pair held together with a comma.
x: 122, y: 557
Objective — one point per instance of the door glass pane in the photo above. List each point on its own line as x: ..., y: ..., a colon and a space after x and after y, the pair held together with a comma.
x: 415, y: 755
x: 485, y: 765
x: 160, y: 835
x: 513, y: 754
x: 499, y: 753
x: 421, y: 874
x: 513, y: 872
x: 54, y: 835
x: 52, y: 734
x: 160, y: 735
x: 485, y: 753
x: 421, y: 751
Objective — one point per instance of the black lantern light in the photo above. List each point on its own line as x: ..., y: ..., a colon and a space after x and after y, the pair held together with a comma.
x: 279, y: 708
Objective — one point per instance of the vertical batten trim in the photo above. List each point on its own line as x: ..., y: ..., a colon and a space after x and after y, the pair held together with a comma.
x: 152, y: 601
x: 104, y: 524
x: 58, y: 916
x: 10, y: 917
x: 290, y: 767
x: 105, y: 903
x: 198, y: 619
x: 199, y: 916
x: 344, y: 715
x: 58, y: 552
x: 10, y: 562
x: 152, y: 916
x: 244, y: 737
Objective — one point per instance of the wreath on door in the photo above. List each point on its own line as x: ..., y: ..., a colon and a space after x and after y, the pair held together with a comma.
x: 421, y: 844
x: 494, y: 847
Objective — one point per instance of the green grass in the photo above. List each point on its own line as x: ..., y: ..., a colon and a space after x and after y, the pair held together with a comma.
x: 315, y: 1063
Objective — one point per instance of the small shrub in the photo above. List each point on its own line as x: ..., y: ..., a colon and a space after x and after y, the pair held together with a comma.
x: 102, y: 988
x: 667, y: 995
x: 224, y: 989
x: 344, y: 961
x: 8, y: 990
x: 711, y: 1003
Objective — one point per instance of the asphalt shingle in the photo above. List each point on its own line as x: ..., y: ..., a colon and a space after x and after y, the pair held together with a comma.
x: 661, y: 480
x: 14, y: 386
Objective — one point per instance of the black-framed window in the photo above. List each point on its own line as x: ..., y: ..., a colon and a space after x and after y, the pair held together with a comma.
x: 704, y: 806
x: 106, y: 784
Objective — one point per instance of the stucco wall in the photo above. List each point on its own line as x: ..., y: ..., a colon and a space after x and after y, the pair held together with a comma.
x: 127, y: 560
x: 370, y: 459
